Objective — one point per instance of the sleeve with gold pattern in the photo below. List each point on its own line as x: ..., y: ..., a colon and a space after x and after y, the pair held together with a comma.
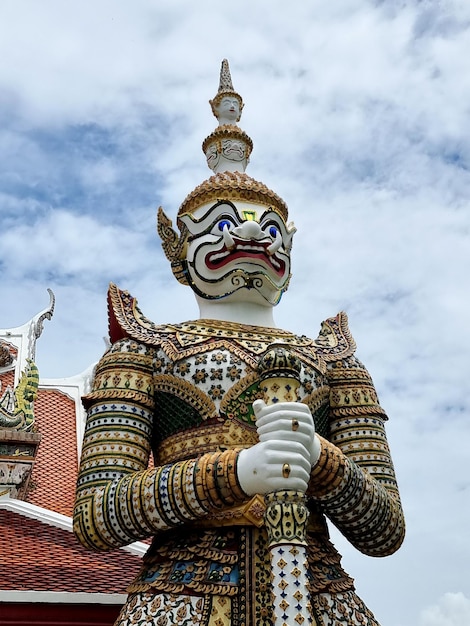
x: 354, y: 479
x: 119, y: 499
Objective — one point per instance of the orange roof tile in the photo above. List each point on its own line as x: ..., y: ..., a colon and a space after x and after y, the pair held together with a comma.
x: 40, y: 557
x: 7, y: 379
x: 55, y: 470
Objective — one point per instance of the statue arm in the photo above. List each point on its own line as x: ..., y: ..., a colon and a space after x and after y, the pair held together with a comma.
x: 354, y: 479
x: 119, y: 499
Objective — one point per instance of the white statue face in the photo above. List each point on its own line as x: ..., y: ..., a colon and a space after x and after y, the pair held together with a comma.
x: 239, y: 252
x: 228, y: 110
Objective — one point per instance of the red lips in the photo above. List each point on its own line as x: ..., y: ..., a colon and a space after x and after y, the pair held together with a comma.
x: 245, y: 250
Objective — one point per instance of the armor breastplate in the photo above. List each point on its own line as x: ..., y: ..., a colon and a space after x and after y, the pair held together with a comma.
x: 206, y: 377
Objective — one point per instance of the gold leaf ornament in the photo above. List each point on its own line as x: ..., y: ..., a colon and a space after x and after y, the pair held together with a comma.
x: 174, y: 245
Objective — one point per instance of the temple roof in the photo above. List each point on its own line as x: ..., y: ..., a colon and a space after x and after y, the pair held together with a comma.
x: 55, y: 414
x: 38, y: 550
x: 38, y: 556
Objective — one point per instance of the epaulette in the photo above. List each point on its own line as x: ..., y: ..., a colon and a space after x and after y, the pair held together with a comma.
x: 125, y: 319
x: 335, y: 340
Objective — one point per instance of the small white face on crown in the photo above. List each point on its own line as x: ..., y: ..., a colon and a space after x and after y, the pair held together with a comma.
x: 239, y: 251
x: 228, y: 110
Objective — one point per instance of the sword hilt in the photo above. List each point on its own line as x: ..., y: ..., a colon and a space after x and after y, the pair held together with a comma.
x: 286, y: 514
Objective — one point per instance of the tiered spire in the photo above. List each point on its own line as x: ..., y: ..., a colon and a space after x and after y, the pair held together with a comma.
x: 228, y: 148
x: 227, y: 151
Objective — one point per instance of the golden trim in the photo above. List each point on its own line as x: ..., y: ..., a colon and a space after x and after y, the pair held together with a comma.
x: 228, y: 131
x: 181, y: 340
x: 232, y: 186
x: 187, y: 392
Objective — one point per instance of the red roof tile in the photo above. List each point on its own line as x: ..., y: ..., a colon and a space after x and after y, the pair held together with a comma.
x: 40, y: 557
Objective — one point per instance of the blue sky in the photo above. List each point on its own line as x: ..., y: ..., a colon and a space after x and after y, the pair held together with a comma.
x: 359, y: 114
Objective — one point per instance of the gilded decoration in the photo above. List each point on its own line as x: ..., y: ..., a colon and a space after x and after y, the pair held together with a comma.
x: 173, y: 245
x: 237, y: 403
x: 184, y: 610
x: 225, y: 89
x: 227, y: 147
x: 209, y: 436
x: 187, y: 392
x: 228, y: 131
x: 334, y: 341
x: 202, y: 380
x: 233, y: 186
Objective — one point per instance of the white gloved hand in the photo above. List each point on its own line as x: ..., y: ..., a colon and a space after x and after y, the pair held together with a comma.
x: 287, y: 435
x: 292, y: 421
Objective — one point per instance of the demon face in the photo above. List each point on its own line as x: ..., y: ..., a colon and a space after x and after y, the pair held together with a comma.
x: 239, y: 251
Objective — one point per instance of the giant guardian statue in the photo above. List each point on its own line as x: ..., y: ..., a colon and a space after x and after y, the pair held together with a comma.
x: 257, y: 435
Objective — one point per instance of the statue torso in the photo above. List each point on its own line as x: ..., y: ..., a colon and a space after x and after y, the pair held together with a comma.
x: 206, y: 376
x: 206, y: 380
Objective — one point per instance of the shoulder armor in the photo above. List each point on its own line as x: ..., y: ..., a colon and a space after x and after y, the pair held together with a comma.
x: 335, y: 340
x: 126, y: 320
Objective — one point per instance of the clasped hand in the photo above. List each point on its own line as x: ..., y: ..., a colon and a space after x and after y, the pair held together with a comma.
x: 286, y: 452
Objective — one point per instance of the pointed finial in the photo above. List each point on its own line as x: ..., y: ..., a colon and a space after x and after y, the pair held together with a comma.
x: 228, y: 148
x: 228, y: 104
x: 225, y: 83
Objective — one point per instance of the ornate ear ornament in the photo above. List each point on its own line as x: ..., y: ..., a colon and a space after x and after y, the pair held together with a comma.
x: 174, y: 245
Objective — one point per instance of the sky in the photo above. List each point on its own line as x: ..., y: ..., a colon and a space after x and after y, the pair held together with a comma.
x: 359, y: 114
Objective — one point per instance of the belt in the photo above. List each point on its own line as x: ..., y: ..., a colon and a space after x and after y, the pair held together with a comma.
x: 251, y: 513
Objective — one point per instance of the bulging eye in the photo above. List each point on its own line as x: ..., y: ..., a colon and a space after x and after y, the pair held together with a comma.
x: 273, y: 231
x: 224, y: 224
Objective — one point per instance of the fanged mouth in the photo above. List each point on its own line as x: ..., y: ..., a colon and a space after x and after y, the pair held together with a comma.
x: 243, y: 250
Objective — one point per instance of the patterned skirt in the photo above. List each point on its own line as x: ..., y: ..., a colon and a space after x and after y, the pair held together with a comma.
x: 221, y: 577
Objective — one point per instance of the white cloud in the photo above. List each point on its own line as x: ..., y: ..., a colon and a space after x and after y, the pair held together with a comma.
x: 63, y: 246
x: 452, y: 609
